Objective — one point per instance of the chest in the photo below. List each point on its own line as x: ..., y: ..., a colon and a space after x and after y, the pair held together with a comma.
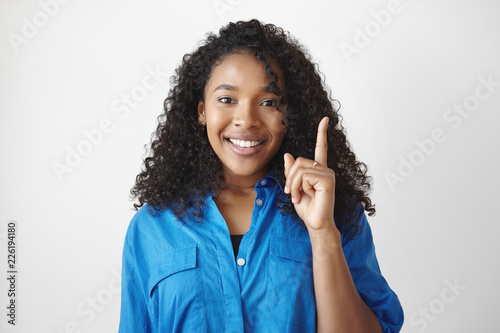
x: 269, y: 289
x: 237, y: 212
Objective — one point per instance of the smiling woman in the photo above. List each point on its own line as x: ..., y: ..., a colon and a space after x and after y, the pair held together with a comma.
x: 245, y: 130
x: 244, y: 127
x: 252, y: 215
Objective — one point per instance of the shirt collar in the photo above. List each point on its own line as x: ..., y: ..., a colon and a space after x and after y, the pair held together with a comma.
x: 266, y: 181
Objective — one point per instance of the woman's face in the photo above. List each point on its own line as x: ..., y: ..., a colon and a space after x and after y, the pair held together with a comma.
x: 244, y: 127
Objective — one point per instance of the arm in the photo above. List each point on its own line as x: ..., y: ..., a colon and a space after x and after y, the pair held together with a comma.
x: 339, y: 306
x: 312, y: 187
x: 134, y: 315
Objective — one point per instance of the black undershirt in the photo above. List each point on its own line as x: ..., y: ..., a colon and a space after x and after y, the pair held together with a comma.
x: 236, y: 240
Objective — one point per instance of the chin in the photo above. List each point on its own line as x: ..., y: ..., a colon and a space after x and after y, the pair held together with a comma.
x: 238, y: 171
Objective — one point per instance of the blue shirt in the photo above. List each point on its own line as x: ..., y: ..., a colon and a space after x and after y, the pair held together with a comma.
x: 183, y: 277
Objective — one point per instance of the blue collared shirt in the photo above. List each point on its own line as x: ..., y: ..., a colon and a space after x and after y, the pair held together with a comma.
x: 183, y: 277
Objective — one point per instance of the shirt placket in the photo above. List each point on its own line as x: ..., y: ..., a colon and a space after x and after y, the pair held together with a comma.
x: 243, y: 255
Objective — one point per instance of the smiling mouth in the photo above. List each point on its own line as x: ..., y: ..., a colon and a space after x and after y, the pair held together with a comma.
x: 245, y: 144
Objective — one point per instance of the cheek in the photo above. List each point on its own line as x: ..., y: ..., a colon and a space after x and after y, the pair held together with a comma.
x: 275, y: 120
x: 279, y: 135
x: 278, y: 126
x: 213, y: 137
x: 215, y: 123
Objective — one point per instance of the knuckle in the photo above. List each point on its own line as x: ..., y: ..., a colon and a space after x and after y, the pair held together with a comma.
x: 299, y: 170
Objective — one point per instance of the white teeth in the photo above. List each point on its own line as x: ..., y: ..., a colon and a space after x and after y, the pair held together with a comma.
x: 245, y: 144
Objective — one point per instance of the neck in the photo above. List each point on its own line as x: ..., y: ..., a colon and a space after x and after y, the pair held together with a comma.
x: 242, y: 184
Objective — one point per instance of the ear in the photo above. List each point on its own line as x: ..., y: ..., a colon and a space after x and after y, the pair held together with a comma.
x: 201, y: 113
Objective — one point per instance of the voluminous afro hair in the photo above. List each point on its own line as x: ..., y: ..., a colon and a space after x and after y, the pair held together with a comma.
x: 182, y: 168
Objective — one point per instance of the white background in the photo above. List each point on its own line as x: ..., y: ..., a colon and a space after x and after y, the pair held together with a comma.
x: 437, y: 226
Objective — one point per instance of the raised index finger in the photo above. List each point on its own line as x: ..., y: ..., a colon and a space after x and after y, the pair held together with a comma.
x: 321, y: 150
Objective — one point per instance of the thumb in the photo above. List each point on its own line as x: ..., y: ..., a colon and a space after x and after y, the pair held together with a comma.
x: 289, y: 161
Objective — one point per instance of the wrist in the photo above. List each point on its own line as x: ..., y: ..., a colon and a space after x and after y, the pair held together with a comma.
x: 329, y: 235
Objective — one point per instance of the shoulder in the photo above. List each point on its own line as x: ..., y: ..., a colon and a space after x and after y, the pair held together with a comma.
x: 360, y: 230
x: 150, y: 229
x: 146, y: 219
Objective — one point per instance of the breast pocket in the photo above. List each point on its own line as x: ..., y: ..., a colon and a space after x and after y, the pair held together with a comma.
x: 291, y: 288
x: 176, y: 291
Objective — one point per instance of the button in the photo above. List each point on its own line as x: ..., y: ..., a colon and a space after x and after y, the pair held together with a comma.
x: 259, y: 202
x: 241, y: 261
x: 263, y: 182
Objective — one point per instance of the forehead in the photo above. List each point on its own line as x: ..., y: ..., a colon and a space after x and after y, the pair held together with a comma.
x: 242, y: 70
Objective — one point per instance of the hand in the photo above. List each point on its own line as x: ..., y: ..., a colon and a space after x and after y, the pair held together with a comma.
x: 312, y: 186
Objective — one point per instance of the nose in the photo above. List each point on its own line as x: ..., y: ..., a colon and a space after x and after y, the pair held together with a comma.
x: 246, y: 116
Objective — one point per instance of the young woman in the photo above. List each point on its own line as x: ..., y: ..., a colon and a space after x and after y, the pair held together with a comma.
x: 252, y: 203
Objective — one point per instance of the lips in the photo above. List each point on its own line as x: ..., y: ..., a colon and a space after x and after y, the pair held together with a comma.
x: 247, y: 146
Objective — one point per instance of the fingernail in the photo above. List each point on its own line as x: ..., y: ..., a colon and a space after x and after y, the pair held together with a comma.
x: 286, y: 189
x: 293, y: 200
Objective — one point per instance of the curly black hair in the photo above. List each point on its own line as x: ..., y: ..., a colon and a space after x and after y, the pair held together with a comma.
x: 183, y: 169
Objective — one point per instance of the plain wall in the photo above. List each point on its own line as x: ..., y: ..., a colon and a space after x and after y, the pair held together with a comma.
x: 416, y: 103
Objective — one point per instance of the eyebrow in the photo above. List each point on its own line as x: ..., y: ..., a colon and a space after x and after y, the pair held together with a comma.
x: 226, y: 86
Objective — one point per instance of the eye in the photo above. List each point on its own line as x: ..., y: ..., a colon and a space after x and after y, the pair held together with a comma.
x: 226, y: 100
x: 270, y: 102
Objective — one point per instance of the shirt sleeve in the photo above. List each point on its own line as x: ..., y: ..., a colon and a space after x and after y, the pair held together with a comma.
x: 134, y: 317
x: 370, y: 284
